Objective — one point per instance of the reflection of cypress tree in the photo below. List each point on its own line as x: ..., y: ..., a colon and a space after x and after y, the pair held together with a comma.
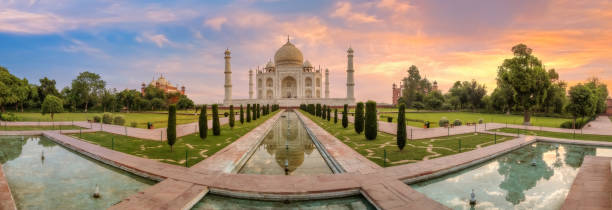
x: 574, y: 155
x: 519, y: 174
x: 10, y: 149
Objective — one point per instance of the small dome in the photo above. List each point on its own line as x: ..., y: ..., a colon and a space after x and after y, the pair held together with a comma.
x: 288, y: 54
x: 227, y: 52
x: 307, y: 64
x: 270, y: 64
x: 350, y: 50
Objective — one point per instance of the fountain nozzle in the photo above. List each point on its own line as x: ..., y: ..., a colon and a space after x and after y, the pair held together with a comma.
x: 472, y: 198
x: 97, y: 192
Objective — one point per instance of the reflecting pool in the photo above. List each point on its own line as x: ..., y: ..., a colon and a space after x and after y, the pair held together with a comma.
x: 537, y: 176
x: 286, y: 149
x: 221, y: 202
x: 62, y: 179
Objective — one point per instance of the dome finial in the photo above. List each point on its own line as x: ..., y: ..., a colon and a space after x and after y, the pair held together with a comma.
x: 287, y: 38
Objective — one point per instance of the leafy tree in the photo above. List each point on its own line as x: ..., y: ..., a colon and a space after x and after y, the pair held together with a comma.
x: 525, y: 74
x: 184, y: 102
x: 241, y: 115
x: 411, y: 84
x: 22, y: 91
x: 335, y: 116
x: 47, y: 87
x: 108, y: 99
x: 51, y: 105
x: 502, y: 98
x: 582, y: 102
x: 248, y: 113
x: 371, y: 121
x: 231, y: 116
x: 157, y: 103
x: 203, y: 122
x: 216, y: 126
x: 401, y: 127
x: 345, y: 116
x: 418, y: 105
x: 128, y: 98
x: 171, y: 130
x: 434, y: 100
x: 86, y: 87
x: 359, y: 117
x: 8, y: 84
x: 600, y: 91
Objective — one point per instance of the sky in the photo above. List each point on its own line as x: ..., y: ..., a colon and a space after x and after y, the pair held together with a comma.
x: 130, y: 42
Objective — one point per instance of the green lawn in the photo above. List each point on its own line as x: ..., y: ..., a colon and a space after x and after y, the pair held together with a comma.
x: 434, y: 117
x: 197, y: 149
x: 415, y: 150
x: 158, y: 120
x: 577, y: 136
x: 32, y: 128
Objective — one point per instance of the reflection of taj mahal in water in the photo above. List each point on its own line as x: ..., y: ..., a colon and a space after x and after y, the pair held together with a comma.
x: 290, y: 81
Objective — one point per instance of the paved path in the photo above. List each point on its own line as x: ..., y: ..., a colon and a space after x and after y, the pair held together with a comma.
x: 383, y: 186
x: 6, y: 198
x: 601, y: 125
x: 592, y: 187
x: 151, y: 134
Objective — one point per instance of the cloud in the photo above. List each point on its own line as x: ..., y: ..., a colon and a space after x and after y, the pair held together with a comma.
x: 159, y: 39
x: 344, y: 10
x: 81, y: 47
x: 215, y: 23
x: 15, y: 21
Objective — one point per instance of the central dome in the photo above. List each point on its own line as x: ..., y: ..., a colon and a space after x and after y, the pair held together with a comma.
x: 288, y: 54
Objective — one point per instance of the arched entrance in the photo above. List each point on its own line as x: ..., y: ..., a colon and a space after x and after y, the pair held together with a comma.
x: 288, y: 87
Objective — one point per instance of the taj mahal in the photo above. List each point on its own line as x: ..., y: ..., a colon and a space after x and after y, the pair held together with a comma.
x: 290, y: 81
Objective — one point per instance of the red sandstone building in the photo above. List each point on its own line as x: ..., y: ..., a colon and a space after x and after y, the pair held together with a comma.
x: 163, y: 84
x: 397, y: 91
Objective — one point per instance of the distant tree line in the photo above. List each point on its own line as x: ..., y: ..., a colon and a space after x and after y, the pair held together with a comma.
x: 87, y: 92
x: 524, y: 86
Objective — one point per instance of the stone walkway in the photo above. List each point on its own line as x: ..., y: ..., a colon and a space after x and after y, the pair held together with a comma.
x: 385, y: 187
x: 601, y: 125
x: 6, y: 198
x: 592, y: 187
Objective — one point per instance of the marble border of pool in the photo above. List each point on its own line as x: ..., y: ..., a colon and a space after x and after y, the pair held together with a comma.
x: 8, y: 203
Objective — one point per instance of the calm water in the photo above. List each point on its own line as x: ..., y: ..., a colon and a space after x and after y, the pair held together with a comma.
x: 511, y: 182
x: 64, y: 179
x: 286, y: 149
x: 221, y: 202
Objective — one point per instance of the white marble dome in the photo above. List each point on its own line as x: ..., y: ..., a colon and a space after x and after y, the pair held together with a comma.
x: 288, y: 54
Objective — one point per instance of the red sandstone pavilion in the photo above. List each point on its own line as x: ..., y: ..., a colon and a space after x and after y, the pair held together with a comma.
x: 163, y: 84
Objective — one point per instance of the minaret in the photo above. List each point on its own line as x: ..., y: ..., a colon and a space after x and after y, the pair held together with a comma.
x: 228, y: 78
x: 326, y: 83
x: 350, y: 81
x: 250, y: 83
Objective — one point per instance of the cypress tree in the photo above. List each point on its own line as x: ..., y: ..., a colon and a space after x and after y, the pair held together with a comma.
x: 268, y: 108
x: 241, y: 115
x: 171, y: 130
x: 328, y: 114
x: 203, y: 122
x: 335, y: 116
x: 311, y: 109
x: 231, y: 116
x: 324, y: 111
x: 371, y: 123
x: 345, y: 116
x: 216, y: 126
x: 248, y: 113
x: 318, y: 110
x: 258, y: 112
x: 359, y: 117
x: 254, y: 112
x: 401, y: 127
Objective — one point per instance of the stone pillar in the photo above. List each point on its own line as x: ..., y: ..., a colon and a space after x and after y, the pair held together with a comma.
x: 228, y: 78
x: 350, y: 80
x: 326, y: 83
x: 250, y: 83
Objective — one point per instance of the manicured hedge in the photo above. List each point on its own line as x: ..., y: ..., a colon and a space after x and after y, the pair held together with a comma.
x: 401, y: 127
x: 171, y: 130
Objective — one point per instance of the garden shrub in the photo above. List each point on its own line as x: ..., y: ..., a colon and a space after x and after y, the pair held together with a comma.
x: 171, y: 130
x: 371, y: 121
x: 401, y: 127
x: 203, y: 122
x: 119, y: 120
x: 443, y: 122
x: 225, y: 114
x: 107, y: 118
x: 389, y: 119
x: 216, y: 126
x: 457, y: 122
x: 97, y: 119
x: 359, y: 117
x: 480, y: 121
x: 8, y: 117
x: 579, y: 123
x: 133, y: 124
